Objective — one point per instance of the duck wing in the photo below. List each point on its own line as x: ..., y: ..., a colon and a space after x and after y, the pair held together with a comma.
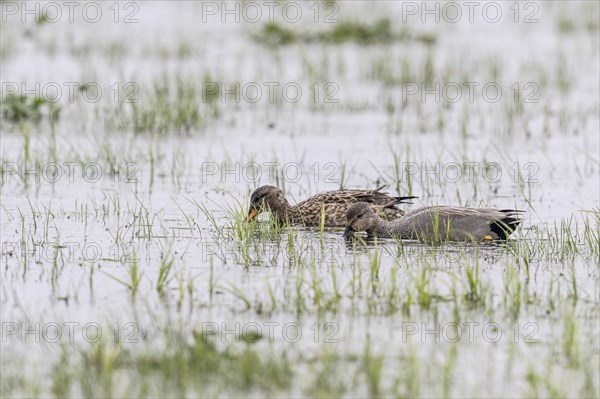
x: 350, y: 196
x: 460, y: 223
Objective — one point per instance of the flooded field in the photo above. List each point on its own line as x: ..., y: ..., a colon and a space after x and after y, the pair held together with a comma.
x: 133, y: 134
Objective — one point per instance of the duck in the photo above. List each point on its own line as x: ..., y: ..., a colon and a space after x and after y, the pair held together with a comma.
x: 435, y: 223
x: 332, y: 204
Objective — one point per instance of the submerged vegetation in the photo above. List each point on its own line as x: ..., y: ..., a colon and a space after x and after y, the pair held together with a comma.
x: 276, y: 335
x: 17, y: 108
x: 178, y: 106
x: 379, y: 32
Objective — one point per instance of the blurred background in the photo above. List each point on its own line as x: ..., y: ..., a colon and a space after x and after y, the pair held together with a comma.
x: 343, y: 93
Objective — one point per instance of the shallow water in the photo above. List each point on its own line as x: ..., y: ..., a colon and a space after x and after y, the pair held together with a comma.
x: 385, y: 319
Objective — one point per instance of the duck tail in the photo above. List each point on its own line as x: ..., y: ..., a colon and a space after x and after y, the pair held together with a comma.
x: 509, y: 223
x: 398, y: 200
x: 404, y: 200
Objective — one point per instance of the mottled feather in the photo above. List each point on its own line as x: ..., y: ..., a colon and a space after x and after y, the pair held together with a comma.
x: 334, y: 204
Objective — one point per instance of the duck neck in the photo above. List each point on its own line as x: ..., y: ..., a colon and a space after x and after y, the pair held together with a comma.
x: 381, y: 228
x: 283, y: 211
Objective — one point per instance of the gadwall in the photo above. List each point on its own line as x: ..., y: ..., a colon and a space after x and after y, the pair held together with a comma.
x: 435, y: 223
x: 333, y: 204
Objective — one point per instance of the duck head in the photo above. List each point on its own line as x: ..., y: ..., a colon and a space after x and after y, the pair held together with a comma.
x: 360, y: 217
x: 266, y: 198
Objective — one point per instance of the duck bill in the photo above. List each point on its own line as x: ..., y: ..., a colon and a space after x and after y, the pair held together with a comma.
x: 348, y: 232
x: 251, y: 215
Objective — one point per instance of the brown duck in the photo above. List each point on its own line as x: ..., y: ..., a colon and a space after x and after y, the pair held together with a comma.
x: 436, y: 223
x: 333, y: 204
